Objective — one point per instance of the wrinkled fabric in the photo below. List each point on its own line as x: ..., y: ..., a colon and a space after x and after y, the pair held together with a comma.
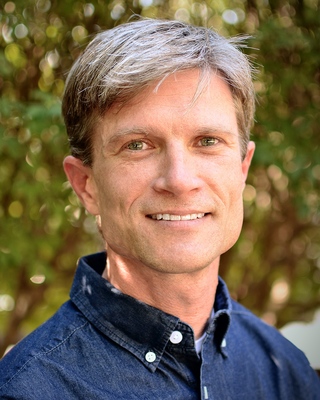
x: 103, y: 344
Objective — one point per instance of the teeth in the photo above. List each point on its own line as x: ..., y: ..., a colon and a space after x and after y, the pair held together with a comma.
x: 172, y: 217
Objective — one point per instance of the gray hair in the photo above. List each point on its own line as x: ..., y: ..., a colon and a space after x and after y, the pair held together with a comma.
x: 121, y: 62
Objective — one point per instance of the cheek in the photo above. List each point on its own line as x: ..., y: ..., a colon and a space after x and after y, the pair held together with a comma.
x: 130, y: 180
x: 117, y: 193
x: 235, y: 209
x: 230, y: 182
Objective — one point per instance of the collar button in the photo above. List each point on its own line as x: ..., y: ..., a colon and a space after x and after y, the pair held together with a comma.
x: 150, y: 357
x: 176, y: 337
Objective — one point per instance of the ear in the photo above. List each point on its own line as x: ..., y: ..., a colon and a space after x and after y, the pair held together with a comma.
x: 247, y: 161
x: 81, y: 179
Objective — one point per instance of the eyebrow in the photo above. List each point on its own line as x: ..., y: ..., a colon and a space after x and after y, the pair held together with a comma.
x: 216, y: 130
x: 145, y: 131
x: 129, y: 131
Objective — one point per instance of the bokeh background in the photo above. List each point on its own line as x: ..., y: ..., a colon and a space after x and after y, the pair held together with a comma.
x: 275, y: 267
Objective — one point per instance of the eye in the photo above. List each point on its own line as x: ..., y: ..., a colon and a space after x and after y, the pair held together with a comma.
x: 208, y: 141
x: 136, y: 145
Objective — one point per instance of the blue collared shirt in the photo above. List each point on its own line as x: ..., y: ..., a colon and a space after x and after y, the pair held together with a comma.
x: 103, y: 344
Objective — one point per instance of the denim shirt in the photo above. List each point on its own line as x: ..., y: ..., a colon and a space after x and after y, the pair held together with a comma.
x: 103, y: 344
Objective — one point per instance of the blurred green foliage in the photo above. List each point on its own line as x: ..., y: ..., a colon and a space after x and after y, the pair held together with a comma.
x: 275, y: 267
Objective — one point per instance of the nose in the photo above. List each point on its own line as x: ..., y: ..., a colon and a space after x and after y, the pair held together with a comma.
x: 178, y: 172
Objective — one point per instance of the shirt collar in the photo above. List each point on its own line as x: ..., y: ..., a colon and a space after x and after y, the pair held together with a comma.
x: 129, y: 322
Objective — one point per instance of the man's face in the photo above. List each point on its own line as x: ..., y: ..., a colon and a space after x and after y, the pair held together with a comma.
x: 168, y: 176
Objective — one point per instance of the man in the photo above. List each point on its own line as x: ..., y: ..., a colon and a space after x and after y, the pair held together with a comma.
x: 158, y: 115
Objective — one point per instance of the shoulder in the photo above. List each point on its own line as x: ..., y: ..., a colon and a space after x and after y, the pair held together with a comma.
x: 24, y: 363
x: 258, y: 333
x: 267, y: 347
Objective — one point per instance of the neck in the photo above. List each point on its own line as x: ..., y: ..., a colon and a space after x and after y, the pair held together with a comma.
x: 188, y: 296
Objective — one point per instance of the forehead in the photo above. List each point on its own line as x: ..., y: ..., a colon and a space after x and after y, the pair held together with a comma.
x: 183, y: 85
x: 175, y: 102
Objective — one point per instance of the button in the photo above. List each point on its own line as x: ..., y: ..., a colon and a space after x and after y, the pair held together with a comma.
x: 176, y: 337
x: 224, y: 343
x: 150, y: 357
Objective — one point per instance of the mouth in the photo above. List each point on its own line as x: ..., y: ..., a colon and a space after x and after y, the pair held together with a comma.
x: 175, y: 217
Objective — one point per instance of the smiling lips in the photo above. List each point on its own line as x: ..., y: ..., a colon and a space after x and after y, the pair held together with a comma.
x: 173, y: 217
